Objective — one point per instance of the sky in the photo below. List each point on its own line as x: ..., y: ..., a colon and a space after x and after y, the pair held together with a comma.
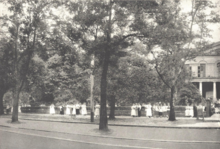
x: 186, y: 6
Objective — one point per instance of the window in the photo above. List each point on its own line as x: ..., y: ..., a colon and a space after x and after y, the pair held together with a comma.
x: 201, y: 70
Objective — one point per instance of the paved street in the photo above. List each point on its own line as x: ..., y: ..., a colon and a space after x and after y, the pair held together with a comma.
x: 44, y: 134
x: 25, y: 139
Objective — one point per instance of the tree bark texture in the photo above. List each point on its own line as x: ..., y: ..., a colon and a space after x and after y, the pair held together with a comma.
x: 172, y: 116
x: 1, y: 103
x: 112, y: 108
x: 15, y: 100
x: 15, y: 104
x: 103, y: 124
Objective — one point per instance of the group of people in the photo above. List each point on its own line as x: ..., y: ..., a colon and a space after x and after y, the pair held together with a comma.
x: 75, y: 109
x: 189, y: 111
x: 70, y: 109
x: 157, y: 110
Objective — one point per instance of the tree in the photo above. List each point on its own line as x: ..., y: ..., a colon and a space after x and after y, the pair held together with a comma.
x: 6, y: 79
x: 24, y: 24
x: 110, y: 24
x: 133, y: 80
x: 189, y: 94
x: 177, y: 42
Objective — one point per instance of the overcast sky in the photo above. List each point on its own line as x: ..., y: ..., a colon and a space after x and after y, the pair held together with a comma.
x: 186, y: 5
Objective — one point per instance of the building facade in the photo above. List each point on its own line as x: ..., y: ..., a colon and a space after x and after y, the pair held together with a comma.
x: 205, y: 72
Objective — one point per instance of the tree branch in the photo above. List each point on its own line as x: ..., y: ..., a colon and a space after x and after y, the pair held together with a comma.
x: 160, y: 75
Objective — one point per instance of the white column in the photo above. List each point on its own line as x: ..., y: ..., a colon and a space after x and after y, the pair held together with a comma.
x: 214, y: 91
x: 200, y: 87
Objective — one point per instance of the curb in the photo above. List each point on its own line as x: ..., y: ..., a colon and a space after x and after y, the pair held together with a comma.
x: 124, y: 125
x: 122, y: 138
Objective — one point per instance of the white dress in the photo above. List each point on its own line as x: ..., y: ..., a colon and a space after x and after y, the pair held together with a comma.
x: 148, y: 110
x: 67, y: 109
x: 136, y: 110
x: 97, y: 110
x: 52, y: 110
x: 74, y: 110
x: 160, y: 109
x: 191, y: 113
x: 19, y: 109
x: 187, y: 111
x: 165, y: 109
x: 84, y: 110
x: 133, y: 110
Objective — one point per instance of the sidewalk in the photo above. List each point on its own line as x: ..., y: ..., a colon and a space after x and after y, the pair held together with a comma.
x: 75, y: 127
x: 182, y: 122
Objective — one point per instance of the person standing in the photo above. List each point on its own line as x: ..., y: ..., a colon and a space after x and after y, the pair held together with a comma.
x: 84, y: 110
x: 74, y: 110
x: 187, y: 110
x: 61, y: 109
x: 148, y: 110
x: 195, y: 111
x: 97, y: 110
x: 52, y: 110
x: 191, y: 111
x: 160, y: 110
x: 133, y: 110
x: 77, y: 108
x: 67, y: 109
x: 136, y: 109
x: 164, y: 109
x: 11, y: 109
x: 19, y: 109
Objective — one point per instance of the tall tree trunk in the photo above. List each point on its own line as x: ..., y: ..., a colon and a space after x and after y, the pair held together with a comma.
x: 15, y: 104
x: 112, y: 108
x: 172, y: 116
x: 16, y: 92
x: 103, y: 123
x: 1, y: 102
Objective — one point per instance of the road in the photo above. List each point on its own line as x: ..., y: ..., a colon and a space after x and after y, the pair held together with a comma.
x: 15, y: 138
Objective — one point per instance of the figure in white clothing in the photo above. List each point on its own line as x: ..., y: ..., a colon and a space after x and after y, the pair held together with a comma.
x: 19, y: 109
x: 74, y: 110
x: 148, y: 110
x: 133, y: 110
x: 97, y: 110
x: 52, y: 110
x: 164, y: 109
x: 67, y: 109
x: 187, y: 110
x: 160, y: 110
x: 12, y: 109
x: 136, y: 109
x: 84, y: 110
x: 191, y: 113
